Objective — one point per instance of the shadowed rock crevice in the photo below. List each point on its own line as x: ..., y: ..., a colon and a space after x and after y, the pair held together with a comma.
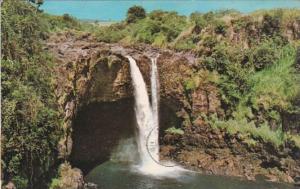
x: 98, y: 128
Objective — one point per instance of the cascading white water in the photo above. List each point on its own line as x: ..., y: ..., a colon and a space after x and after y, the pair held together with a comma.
x: 153, y: 136
x: 144, y: 118
x: 148, y: 122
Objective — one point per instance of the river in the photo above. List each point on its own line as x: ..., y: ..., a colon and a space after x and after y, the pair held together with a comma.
x: 112, y: 175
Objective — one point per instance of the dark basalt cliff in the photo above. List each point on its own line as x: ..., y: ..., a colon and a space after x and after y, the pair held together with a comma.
x: 93, y: 86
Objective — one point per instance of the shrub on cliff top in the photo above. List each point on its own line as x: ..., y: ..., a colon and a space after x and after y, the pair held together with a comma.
x: 37, y: 2
x: 158, y: 30
x: 271, y: 24
x: 220, y: 27
x: 135, y: 13
x: 199, y: 21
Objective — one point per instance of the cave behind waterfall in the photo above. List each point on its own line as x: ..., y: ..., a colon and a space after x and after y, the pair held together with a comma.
x: 99, y: 126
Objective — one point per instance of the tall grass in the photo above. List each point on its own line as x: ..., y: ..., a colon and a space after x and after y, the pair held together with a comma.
x: 277, y: 85
x: 249, y: 131
x: 271, y: 90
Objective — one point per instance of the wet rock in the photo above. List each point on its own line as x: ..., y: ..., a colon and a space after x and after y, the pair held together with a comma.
x: 297, y: 181
x: 10, y: 185
x: 214, y: 152
x: 171, y: 138
x: 70, y: 178
x: 167, y: 151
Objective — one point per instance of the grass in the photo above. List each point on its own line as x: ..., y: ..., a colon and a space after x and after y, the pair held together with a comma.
x: 250, y: 142
x: 286, y: 14
x: 249, y: 132
x: 200, y: 78
x: 275, y: 86
x: 271, y: 91
x: 295, y: 139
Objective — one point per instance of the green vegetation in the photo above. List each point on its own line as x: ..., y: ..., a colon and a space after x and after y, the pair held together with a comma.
x: 174, y: 130
x: 250, y: 58
x: 158, y: 28
x: 257, y: 99
x: 275, y: 87
x: 202, y: 77
x: 37, y: 2
x: 255, y: 75
x: 248, y: 130
x: 30, y: 117
x: 65, y: 177
x: 168, y: 29
x: 60, y: 23
x: 54, y: 183
x: 135, y: 13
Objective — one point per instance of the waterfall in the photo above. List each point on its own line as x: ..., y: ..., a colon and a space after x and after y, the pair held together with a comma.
x: 153, y: 137
x: 147, y: 142
x: 147, y: 117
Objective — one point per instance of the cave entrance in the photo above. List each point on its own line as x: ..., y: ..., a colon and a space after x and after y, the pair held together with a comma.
x: 99, y: 126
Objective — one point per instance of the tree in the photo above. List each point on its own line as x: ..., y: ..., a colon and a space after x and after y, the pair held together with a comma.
x: 135, y: 13
x: 30, y: 117
x: 37, y: 2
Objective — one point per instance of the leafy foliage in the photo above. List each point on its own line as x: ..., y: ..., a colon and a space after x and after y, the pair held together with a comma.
x: 258, y: 82
x: 158, y: 28
x: 174, y: 130
x: 37, y: 2
x: 168, y: 29
x: 271, y: 24
x: 264, y: 56
x: 135, y: 13
x: 258, y: 108
x: 30, y: 119
x: 57, y: 23
x: 248, y: 129
x: 275, y: 87
x: 220, y: 27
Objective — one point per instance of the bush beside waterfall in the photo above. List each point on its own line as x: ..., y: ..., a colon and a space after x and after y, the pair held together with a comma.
x: 174, y: 130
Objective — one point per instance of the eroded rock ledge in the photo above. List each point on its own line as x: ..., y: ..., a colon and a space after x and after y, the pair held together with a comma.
x: 92, y: 75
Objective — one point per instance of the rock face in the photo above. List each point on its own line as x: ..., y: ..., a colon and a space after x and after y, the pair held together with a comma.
x: 215, y: 152
x: 69, y: 178
x: 96, y: 97
x: 95, y: 93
